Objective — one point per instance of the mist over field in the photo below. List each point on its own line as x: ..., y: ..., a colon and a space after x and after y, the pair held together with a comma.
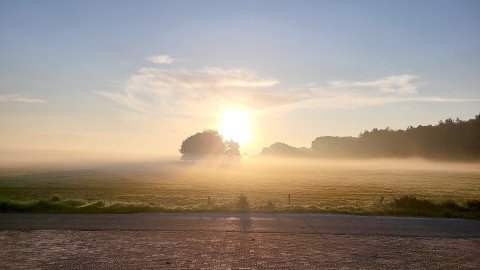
x: 379, y: 172
x: 54, y: 159
x: 346, y: 186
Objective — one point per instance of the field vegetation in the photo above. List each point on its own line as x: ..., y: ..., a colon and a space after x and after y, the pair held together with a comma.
x: 390, y: 187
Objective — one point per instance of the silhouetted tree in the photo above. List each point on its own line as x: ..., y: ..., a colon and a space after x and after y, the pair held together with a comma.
x: 207, y: 144
x: 232, y: 149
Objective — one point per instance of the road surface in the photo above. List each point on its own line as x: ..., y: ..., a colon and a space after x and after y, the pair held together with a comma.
x: 236, y: 241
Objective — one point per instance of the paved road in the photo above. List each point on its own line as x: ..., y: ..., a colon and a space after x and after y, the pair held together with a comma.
x: 268, y: 223
x: 236, y: 241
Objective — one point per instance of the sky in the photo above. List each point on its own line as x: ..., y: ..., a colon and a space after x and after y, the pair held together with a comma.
x: 140, y: 76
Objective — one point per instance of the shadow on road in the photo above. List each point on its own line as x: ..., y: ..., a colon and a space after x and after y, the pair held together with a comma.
x: 246, y: 222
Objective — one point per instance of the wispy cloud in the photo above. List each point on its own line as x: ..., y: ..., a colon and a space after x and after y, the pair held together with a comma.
x: 355, y: 94
x: 330, y: 99
x: 162, y: 59
x: 403, y: 84
x: 20, y: 98
x: 191, y: 92
x: 179, y: 91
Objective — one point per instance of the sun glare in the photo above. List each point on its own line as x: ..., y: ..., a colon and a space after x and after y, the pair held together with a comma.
x: 235, y: 125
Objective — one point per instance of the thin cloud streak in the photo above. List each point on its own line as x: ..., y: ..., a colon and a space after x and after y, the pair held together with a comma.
x: 403, y: 84
x: 20, y: 98
x: 352, y: 100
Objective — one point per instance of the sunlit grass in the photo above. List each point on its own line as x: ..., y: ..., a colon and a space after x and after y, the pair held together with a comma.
x: 314, y: 187
x: 405, y: 205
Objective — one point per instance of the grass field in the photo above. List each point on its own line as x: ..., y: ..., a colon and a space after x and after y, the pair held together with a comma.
x: 314, y: 186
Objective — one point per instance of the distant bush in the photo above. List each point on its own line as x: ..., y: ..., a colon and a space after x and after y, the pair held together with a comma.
x: 474, y: 205
x: 410, y: 205
x: 270, y: 205
x: 243, y: 203
x: 55, y: 198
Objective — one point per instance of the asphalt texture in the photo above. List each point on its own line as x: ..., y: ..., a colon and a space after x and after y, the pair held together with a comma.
x: 236, y: 241
x: 245, y: 222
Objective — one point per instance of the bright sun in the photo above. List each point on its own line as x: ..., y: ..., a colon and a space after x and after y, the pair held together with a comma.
x: 235, y: 125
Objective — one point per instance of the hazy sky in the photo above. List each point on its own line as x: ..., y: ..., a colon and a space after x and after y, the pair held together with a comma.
x: 141, y: 76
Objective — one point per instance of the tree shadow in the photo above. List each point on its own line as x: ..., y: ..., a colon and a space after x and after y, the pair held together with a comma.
x: 246, y: 222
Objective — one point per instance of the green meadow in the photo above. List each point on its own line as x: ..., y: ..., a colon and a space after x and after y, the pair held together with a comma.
x: 413, y: 187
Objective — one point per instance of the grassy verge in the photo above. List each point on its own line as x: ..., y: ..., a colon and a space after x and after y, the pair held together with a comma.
x: 411, y: 206
x: 402, y: 206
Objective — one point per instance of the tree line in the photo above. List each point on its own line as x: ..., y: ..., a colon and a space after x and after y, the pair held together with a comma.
x: 449, y: 139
